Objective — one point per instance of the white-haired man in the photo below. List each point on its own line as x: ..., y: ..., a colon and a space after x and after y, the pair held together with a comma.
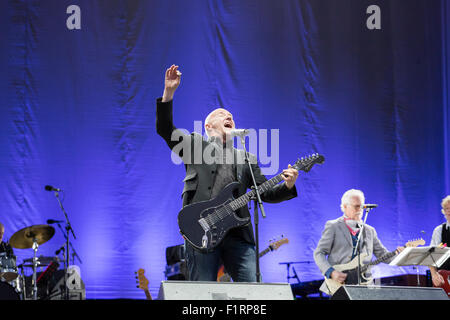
x: 205, y: 179
x: 339, y: 238
x: 441, y: 236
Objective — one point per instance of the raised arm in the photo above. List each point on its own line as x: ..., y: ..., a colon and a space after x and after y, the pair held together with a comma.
x: 171, y: 82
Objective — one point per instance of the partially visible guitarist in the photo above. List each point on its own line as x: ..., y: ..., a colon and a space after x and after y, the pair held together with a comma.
x: 339, y: 237
x: 441, y: 236
x: 205, y: 179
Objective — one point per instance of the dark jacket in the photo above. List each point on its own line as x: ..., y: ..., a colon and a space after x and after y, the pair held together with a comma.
x: 199, y: 178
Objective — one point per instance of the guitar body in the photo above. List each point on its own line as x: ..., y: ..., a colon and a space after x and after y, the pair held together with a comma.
x: 351, y: 269
x: 204, y: 224
x: 446, y: 286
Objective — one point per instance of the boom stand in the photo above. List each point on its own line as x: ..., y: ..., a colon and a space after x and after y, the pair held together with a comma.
x: 258, y: 202
x: 357, y: 249
x: 68, y: 231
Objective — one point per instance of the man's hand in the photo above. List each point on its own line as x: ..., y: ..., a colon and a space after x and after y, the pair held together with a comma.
x: 438, y: 280
x: 171, y: 82
x: 289, y: 176
x: 338, y: 276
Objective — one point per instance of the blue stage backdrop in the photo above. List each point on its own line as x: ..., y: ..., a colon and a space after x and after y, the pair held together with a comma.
x: 365, y: 83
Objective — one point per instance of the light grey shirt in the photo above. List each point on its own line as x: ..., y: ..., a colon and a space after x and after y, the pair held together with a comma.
x: 436, y: 238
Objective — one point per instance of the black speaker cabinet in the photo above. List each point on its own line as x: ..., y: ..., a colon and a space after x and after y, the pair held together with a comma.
x: 388, y: 293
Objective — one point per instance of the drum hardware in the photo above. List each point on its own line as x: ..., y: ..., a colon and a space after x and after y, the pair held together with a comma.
x: 35, y: 264
x: 32, y: 237
x: 43, y: 261
x: 8, y: 269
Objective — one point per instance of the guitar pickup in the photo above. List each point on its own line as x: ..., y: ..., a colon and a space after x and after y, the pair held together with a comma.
x: 204, y: 224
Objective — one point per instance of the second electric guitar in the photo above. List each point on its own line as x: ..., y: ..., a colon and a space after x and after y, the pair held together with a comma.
x: 204, y: 224
x: 351, y: 268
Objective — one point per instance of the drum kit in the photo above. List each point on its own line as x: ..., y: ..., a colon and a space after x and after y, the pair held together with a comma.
x: 12, y: 284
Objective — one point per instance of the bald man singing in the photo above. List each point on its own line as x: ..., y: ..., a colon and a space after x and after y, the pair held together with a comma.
x: 210, y: 166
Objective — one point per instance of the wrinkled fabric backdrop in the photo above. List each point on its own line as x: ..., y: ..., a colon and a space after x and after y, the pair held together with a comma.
x: 78, y: 113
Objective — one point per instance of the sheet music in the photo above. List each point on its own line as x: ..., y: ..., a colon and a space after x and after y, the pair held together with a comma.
x: 422, y: 256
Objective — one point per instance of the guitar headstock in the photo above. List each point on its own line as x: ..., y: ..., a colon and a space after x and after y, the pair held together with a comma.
x: 306, y: 163
x: 143, y: 281
x: 275, y: 245
x: 415, y: 243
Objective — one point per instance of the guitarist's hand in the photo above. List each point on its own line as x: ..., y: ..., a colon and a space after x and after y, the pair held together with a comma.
x: 438, y: 280
x: 290, y: 176
x: 338, y: 276
x: 436, y: 277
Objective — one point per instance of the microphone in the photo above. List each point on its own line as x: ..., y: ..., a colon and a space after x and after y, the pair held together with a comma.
x: 51, y: 221
x: 369, y: 206
x: 50, y: 188
x: 239, y: 132
x: 60, y: 249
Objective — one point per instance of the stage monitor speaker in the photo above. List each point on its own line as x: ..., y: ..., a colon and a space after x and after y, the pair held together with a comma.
x: 388, y: 293
x: 205, y: 290
x: 75, y: 285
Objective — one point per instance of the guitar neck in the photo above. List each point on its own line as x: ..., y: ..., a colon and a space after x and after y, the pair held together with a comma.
x: 147, y: 294
x: 244, y: 199
x: 265, y: 251
x: 379, y: 260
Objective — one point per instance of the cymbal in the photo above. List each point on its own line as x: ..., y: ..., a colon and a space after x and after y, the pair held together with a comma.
x: 23, y: 239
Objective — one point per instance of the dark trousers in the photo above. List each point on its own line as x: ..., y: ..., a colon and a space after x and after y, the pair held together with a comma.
x: 238, y: 257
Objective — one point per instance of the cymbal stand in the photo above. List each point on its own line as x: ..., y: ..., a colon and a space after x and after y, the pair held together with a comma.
x: 35, y: 263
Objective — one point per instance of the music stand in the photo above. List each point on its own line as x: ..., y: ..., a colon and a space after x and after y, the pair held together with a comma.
x: 422, y: 256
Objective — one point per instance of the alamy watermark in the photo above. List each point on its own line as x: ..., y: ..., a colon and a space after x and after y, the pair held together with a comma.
x: 190, y: 147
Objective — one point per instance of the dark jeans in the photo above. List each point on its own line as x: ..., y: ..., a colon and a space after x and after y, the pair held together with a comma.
x: 238, y: 257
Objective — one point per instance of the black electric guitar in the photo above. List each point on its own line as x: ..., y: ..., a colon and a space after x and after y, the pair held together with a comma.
x: 204, y: 224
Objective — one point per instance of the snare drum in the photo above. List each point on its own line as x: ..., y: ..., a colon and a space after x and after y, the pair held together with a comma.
x: 8, y: 268
x: 7, y: 292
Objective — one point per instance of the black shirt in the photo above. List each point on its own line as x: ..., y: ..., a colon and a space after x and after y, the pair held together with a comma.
x: 5, y: 247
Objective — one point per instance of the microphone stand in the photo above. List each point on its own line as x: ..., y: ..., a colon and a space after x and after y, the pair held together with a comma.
x: 288, y: 266
x: 357, y: 248
x: 68, y: 231
x: 258, y: 202
x: 74, y: 253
